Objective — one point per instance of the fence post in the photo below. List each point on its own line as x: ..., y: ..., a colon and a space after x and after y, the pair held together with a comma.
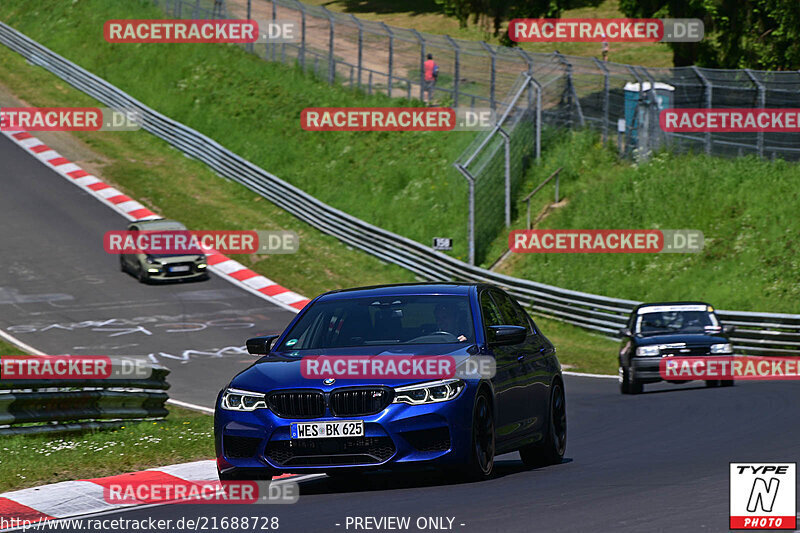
x: 196, y: 10
x: 761, y: 103
x: 249, y: 13
x: 653, y: 103
x: 274, y: 16
x: 605, y: 98
x: 471, y: 217
x: 456, y: 70
x: 629, y: 130
x: 573, y: 99
x: 507, y: 143
x: 388, y: 31
x: 538, y: 86
x: 360, y: 47
x: 528, y: 61
x: 493, y: 56
x: 708, y: 88
x: 302, y: 54
x: 331, y: 60
x: 421, y: 39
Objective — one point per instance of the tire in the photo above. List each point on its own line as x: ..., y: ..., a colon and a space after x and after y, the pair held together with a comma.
x: 551, y: 450
x: 122, y: 267
x: 712, y: 383
x: 727, y: 383
x: 482, y: 447
x: 626, y: 384
x: 142, y: 276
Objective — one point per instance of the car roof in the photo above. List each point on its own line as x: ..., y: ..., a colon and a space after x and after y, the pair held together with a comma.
x: 159, y: 224
x: 683, y: 302
x: 402, y: 289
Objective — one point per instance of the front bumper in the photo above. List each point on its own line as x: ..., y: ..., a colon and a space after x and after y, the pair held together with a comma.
x: 647, y: 369
x: 400, y: 435
x: 162, y: 273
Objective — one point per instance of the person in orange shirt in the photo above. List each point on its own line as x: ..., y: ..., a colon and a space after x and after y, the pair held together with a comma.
x: 431, y: 70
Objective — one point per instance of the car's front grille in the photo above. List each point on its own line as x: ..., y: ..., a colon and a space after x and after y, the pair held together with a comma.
x: 687, y: 351
x: 240, y: 447
x: 360, y: 402
x: 331, y: 451
x: 429, y: 440
x: 297, y: 404
x: 168, y: 273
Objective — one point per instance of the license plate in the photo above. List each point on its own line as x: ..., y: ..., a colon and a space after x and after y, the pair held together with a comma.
x: 181, y: 268
x: 318, y: 430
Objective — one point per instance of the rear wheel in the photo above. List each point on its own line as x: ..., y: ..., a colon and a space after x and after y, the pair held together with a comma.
x: 711, y: 383
x: 122, y: 266
x: 483, y: 440
x: 551, y: 450
x: 627, y: 385
x: 727, y: 383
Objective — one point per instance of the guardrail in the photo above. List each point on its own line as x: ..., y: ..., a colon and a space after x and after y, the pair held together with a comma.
x: 758, y: 333
x: 59, y: 406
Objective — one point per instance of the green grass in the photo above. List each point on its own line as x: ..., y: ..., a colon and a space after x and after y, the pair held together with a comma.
x: 745, y: 207
x: 28, y: 461
x: 9, y: 349
x: 579, y: 350
x: 253, y: 107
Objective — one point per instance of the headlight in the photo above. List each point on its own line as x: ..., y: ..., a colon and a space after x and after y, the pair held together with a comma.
x: 721, y: 348
x: 242, y: 400
x: 200, y: 258
x: 648, y: 350
x: 151, y: 260
x: 431, y: 392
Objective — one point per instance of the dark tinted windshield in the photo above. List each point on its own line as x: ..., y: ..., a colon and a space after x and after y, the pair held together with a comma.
x: 384, y: 320
x: 673, y: 320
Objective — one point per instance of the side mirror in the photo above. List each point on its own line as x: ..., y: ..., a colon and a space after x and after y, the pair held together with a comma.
x: 727, y: 330
x: 625, y: 332
x: 260, y: 345
x: 505, y: 335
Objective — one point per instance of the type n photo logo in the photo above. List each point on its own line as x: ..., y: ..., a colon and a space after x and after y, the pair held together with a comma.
x: 763, y: 496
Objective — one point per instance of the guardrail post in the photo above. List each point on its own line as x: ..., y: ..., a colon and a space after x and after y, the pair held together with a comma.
x: 456, y: 71
x: 391, y: 58
x: 360, y: 47
x: 605, y: 98
x: 493, y: 57
x: 471, y: 218
x: 421, y: 64
x: 761, y: 103
x: 707, y: 88
x: 507, y: 143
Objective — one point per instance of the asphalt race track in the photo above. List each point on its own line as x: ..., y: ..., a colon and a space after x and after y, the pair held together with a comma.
x: 653, y: 462
x: 61, y: 293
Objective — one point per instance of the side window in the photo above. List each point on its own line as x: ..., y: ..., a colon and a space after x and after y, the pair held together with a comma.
x: 491, y: 314
x: 526, y: 319
x: 511, y: 315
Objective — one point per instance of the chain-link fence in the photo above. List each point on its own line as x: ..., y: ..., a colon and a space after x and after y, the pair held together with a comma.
x: 620, y: 101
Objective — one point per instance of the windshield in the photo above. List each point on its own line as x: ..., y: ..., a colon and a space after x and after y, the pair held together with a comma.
x: 674, y: 320
x: 429, y: 319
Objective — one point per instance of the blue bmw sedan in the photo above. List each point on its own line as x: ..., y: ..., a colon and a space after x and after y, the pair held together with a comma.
x: 274, y: 418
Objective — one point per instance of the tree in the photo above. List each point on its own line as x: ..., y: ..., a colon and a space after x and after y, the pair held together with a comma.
x: 758, y: 34
x: 493, y: 13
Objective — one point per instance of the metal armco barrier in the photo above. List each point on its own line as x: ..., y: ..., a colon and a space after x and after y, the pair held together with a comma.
x: 757, y: 333
x: 57, y: 406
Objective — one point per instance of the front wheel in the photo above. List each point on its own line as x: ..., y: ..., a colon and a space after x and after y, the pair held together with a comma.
x: 551, y: 451
x: 481, y: 463
x: 626, y: 383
